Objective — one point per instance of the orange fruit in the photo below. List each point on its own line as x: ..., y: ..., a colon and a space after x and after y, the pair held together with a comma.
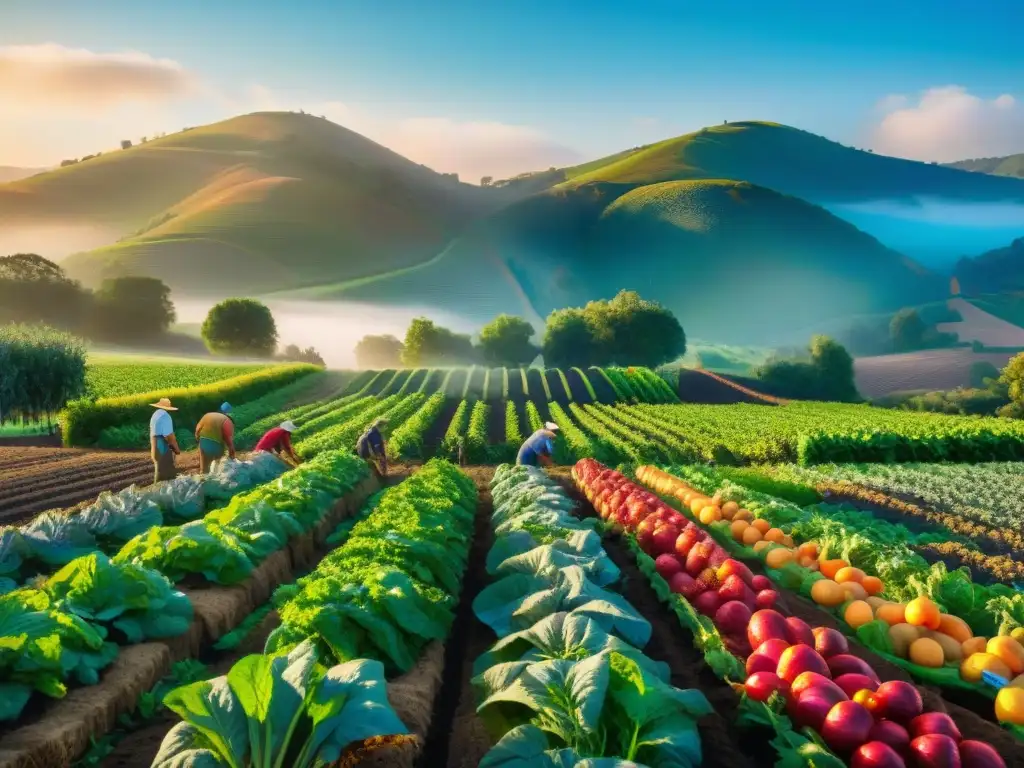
x: 710, y: 515
x: 873, y: 585
x: 973, y: 646
x: 1010, y: 705
x: 927, y: 653
x: 751, y: 536
x: 826, y: 592
x: 922, y: 612
x: 974, y: 665
x: 760, y: 546
x: 955, y: 627
x: 775, y: 535
x: 808, y: 549
x: 844, y: 575
x: 738, y: 527
x: 762, y: 525
x: 743, y: 514
x: 807, y: 562
x: 829, y: 568
x: 778, y: 557
x: 730, y: 508
x: 858, y: 613
x: 892, y: 614
x: 854, y: 590
x: 697, y: 503
x: 1008, y: 651
x: 788, y: 541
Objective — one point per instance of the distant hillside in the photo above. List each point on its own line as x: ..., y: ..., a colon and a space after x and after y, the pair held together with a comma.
x: 11, y: 173
x: 250, y: 204
x: 736, y: 262
x: 995, y: 271
x: 1012, y: 165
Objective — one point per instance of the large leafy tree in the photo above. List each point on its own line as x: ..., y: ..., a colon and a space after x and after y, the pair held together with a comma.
x: 133, y: 308
x: 506, y: 341
x: 429, y: 344
x: 379, y: 352
x: 40, y: 370
x: 835, y: 369
x: 907, y: 330
x: 569, y: 339
x: 240, y: 327
x: 36, y: 290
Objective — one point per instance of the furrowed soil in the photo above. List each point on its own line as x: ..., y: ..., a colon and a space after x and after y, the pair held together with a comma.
x: 603, y: 389
x: 33, y: 480
x: 433, y: 437
x: 578, y: 387
x: 696, y: 386
x: 496, y: 423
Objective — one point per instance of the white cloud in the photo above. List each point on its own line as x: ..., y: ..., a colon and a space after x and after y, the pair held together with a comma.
x: 52, y: 75
x: 948, y: 124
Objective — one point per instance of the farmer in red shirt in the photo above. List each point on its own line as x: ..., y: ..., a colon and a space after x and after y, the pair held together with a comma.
x: 279, y: 440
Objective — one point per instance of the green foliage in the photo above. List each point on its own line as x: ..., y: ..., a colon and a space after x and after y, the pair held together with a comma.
x: 505, y: 341
x: 379, y: 352
x: 115, y: 378
x: 827, y: 375
x: 84, y: 421
x: 1013, y: 377
x: 626, y: 330
x: 427, y: 344
x: 455, y: 434
x: 477, y: 451
x: 407, y: 441
x: 35, y: 290
x: 907, y: 330
x: 132, y: 309
x: 240, y: 327
x: 40, y: 370
x: 981, y: 373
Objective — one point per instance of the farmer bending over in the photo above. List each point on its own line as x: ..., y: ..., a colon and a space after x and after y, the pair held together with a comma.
x: 538, y: 447
x: 372, y: 448
x: 162, y: 442
x: 215, y: 432
x: 279, y: 441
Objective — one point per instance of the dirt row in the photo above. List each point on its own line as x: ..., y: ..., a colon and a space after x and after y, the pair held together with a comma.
x: 33, y: 480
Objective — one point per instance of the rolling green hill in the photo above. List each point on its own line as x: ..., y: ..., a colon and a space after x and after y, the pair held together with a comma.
x: 996, y: 271
x: 733, y: 260
x: 1011, y: 165
x: 250, y: 204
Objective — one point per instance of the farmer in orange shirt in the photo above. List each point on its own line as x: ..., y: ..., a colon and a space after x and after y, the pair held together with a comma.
x: 215, y: 433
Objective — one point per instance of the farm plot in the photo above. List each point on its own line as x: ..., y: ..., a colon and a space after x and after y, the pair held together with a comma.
x: 116, y: 377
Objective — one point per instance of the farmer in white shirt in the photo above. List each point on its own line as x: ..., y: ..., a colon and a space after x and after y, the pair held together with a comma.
x: 163, y: 444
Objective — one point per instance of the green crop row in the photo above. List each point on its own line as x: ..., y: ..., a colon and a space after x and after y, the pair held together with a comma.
x: 406, y: 442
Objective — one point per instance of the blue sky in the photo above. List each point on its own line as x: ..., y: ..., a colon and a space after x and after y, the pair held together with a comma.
x: 478, y: 84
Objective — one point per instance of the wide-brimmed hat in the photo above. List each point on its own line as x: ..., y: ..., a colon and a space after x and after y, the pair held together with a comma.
x: 551, y: 426
x: 164, y: 403
x: 379, y: 422
x: 288, y: 426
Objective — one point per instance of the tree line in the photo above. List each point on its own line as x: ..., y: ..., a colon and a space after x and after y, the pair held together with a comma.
x: 626, y: 330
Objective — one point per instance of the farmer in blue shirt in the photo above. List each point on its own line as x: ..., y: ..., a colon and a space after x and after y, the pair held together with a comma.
x: 162, y: 443
x: 539, y: 446
x: 372, y: 448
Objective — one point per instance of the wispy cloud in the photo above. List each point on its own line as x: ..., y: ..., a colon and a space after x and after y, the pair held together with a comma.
x: 948, y: 124
x: 34, y: 76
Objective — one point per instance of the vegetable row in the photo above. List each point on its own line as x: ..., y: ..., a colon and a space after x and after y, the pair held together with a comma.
x: 567, y: 682
x: 808, y: 671
x: 63, y: 628
x: 367, y: 611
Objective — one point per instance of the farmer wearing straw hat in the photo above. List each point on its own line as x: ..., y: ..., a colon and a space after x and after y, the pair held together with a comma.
x: 163, y: 444
x: 279, y: 440
x: 371, y: 447
x: 539, y: 446
x: 215, y: 433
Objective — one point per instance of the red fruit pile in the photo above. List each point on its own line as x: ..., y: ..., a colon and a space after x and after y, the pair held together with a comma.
x: 870, y: 723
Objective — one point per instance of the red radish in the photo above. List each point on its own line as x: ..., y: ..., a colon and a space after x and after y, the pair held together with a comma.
x: 766, y: 625
x: 760, y: 583
x: 934, y: 723
x: 807, y: 681
x: 811, y: 709
x: 665, y: 539
x: 899, y: 701
x: 846, y: 726
x: 772, y: 648
x: 684, y: 584
x: 698, y: 558
x: 766, y: 656
x: 732, y: 618
x: 761, y: 685
x: 707, y: 602
x: 718, y: 556
x: 853, y: 682
x: 689, y: 536
x: 707, y: 580
x: 829, y: 642
x: 801, y: 658
x: 646, y: 543
x: 732, y: 587
x: 935, y: 751
x: 733, y: 567
x: 893, y: 734
x: 766, y: 598
x: 978, y: 754
x: 845, y: 664
x: 667, y: 566
x: 876, y: 754
x: 797, y: 632
x: 646, y: 526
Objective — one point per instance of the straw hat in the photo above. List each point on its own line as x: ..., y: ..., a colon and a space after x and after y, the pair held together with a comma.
x: 288, y: 426
x: 551, y: 426
x: 164, y: 404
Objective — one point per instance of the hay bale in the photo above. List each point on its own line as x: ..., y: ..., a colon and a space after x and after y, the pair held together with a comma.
x: 188, y: 645
x: 63, y: 731
x: 412, y: 695
x: 220, y: 609
x: 268, y: 576
x: 303, y: 552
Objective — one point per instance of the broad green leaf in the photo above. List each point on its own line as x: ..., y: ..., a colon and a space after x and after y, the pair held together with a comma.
x: 186, y: 747
x: 213, y: 709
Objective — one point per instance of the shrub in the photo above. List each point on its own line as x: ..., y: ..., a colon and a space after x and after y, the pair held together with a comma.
x: 40, y: 370
x: 240, y: 327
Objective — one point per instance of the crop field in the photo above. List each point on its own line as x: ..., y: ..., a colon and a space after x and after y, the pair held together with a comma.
x: 740, y: 555
x: 114, y: 377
